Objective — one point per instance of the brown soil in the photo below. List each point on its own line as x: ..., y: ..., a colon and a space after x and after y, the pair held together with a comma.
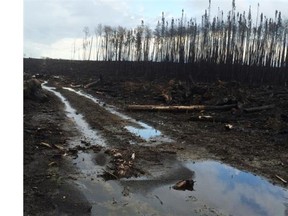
x: 257, y: 141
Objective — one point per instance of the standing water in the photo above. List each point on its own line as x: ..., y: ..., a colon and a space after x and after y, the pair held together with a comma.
x: 238, y: 192
x: 142, y: 130
x: 219, y: 189
x: 145, y: 131
x: 90, y: 135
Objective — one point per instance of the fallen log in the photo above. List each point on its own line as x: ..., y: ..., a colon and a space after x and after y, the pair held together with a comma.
x: 89, y: 85
x: 178, y: 108
x: 256, y: 109
x: 211, y: 119
x: 75, y: 86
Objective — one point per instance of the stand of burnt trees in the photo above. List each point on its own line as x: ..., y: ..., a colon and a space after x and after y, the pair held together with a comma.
x: 231, y: 39
x: 228, y: 47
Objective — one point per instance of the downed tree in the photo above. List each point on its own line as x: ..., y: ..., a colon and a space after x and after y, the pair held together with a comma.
x: 260, y: 108
x: 178, y: 108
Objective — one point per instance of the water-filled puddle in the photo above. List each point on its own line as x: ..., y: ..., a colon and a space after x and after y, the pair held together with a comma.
x: 143, y: 130
x: 237, y: 192
x: 218, y: 189
x: 109, y: 108
x: 90, y: 135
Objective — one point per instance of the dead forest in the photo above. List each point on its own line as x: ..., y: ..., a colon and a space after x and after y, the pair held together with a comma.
x: 232, y: 38
x: 230, y: 46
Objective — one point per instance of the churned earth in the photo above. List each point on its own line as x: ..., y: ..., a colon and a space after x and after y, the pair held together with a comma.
x: 85, y: 153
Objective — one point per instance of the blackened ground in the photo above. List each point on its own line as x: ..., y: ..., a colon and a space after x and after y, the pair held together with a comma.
x: 257, y: 141
x: 47, y: 190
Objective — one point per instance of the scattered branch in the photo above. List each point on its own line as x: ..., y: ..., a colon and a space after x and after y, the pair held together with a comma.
x: 178, y: 108
x: 256, y: 109
x: 281, y: 179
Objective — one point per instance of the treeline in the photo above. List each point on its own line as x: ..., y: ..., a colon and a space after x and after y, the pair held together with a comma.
x: 229, y: 39
x: 161, y: 71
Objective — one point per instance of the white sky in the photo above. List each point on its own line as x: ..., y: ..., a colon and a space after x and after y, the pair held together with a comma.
x: 52, y: 26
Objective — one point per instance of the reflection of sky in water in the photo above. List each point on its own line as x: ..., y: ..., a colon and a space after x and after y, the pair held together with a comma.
x: 90, y: 135
x: 97, y: 101
x: 218, y: 188
x: 239, y: 193
x: 146, y: 132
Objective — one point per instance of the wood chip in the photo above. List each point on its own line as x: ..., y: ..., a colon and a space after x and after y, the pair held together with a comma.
x: 59, y: 147
x: 281, y: 179
x: 52, y: 163
x: 45, y: 144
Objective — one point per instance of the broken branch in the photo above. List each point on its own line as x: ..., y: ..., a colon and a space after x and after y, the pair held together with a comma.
x: 91, y: 84
x: 110, y: 173
x: 281, y: 179
x: 256, y: 109
x: 178, y: 108
x: 45, y: 144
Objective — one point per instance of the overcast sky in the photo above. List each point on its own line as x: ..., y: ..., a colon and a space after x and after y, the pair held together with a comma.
x: 52, y: 26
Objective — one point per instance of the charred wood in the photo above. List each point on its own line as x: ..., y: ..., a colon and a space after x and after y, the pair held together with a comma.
x: 256, y: 109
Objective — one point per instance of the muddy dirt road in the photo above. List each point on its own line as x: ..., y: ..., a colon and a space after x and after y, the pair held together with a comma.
x: 84, y: 154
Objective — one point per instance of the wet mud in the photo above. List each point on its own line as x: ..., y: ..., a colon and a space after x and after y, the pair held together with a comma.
x: 101, y: 159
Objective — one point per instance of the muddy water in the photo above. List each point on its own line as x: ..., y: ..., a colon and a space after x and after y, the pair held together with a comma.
x: 237, y: 192
x: 145, y: 131
x: 90, y: 135
x: 141, y: 129
x: 219, y: 189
